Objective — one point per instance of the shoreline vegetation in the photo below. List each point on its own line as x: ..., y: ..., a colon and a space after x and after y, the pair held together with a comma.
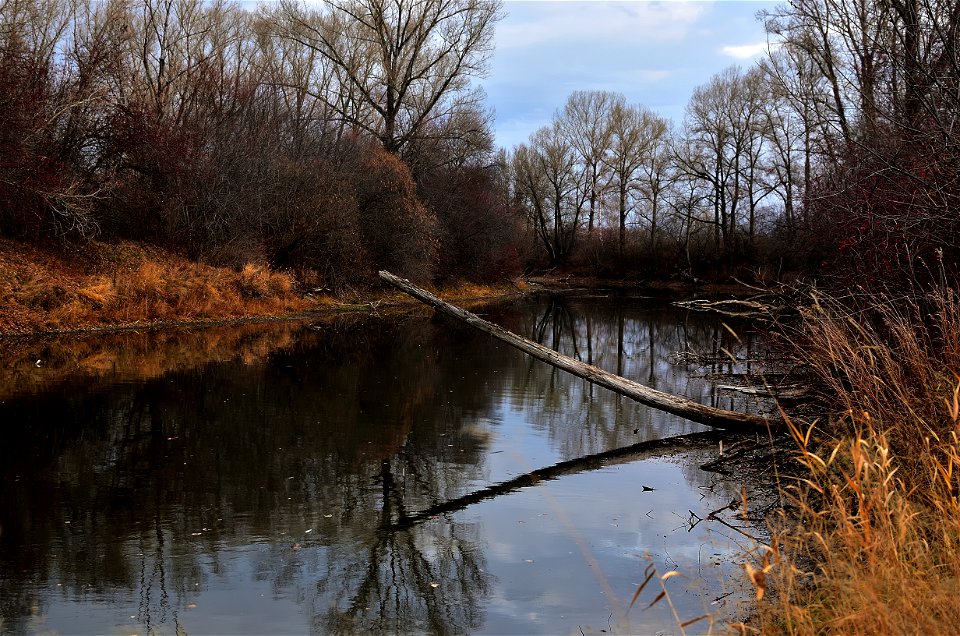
x: 868, y: 541
x: 103, y: 286
x: 96, y: 286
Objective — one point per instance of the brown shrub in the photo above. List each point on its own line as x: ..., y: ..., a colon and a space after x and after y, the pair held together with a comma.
x: 398, y: 232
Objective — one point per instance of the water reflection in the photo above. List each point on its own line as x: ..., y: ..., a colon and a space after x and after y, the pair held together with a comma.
x: 264, y: 478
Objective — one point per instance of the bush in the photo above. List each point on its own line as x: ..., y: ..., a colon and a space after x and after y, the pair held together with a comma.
x: 479, y: 233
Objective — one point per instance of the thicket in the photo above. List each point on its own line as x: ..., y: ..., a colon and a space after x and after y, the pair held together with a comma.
x: 871, y: 543
x: 235, y: 137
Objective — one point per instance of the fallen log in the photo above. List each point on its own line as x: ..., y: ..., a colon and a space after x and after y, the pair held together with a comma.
x: 790, y: 392
x: 708, y: 415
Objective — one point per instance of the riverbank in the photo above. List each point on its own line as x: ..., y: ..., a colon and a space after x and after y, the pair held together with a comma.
x: 872, y: 541
x: 108, y: 286
x: 98, y: 286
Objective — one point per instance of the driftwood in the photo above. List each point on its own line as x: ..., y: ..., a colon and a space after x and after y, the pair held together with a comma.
x: 732, y: 308
x: 791, y: 392
x: 711, y: 416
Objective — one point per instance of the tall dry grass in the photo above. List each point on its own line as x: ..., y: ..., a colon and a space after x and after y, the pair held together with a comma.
x: 872, y: 543
x: 129, y: 284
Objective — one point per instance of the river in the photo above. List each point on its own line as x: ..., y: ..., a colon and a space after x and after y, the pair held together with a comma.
x: 370, y: 474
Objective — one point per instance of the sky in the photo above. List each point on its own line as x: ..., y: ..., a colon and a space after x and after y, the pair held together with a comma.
x: 655, y: 53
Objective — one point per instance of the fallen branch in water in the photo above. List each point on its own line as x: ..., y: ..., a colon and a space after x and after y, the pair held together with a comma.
x: 789, y: 392
x: 711, y: 416
x: 732, y: 308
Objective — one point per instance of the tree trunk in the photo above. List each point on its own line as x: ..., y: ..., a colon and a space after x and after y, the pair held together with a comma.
x: 710, y: 416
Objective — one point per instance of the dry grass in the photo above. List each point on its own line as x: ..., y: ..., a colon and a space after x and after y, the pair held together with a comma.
x: 67, y: 288
x: 873, y: 546
x: 130, y: 284
x: 467, y: 290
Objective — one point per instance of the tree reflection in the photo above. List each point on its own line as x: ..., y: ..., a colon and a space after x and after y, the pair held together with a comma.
x: 318, y: 432
x: 429, y: 579
x: 133, y: 475
x: 639, y: 341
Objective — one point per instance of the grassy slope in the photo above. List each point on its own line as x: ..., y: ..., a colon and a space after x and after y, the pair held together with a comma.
x: 100, y: 284
x: 97, y: 285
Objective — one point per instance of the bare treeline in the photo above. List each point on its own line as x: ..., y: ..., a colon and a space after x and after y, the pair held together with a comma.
x: 348, y: 136
x: 838, y: 153
x: 342, y: 138
x: 622, y: 186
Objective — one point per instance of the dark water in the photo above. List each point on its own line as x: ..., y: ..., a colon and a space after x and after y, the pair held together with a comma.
x: 355, y: 476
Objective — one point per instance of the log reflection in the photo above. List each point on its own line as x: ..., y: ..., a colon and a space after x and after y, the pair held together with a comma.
x: 596, y: 461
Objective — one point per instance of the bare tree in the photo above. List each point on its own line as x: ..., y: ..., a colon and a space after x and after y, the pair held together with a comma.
x: 657, y: 171
x: 586, y: 120
x: 710, y: 148
x: 751, y: 122
x: 724, y: 146
x: 634, y: 132
x: 811, y: 27
x: 400, y: 63
x: 548, y: 185
x: 794, y: 131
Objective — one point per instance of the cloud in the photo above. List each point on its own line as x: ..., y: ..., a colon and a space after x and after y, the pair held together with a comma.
x: 534, y: 24
x: 654, y: 52
x: 744, y: 51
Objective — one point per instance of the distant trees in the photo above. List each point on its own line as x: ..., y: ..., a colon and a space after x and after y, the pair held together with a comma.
x: 630, y: 170
x: 306, y: 138
x: 598, y: 150
x: 726, y: 146
x: 586, y: 122
x: 837, y: 154
x: 634, y: 135
x: 549, y: 188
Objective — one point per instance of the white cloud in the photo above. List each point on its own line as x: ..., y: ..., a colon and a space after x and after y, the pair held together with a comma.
x: 654, y: 52
x: 744, y: 51
x: 535, y: 24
